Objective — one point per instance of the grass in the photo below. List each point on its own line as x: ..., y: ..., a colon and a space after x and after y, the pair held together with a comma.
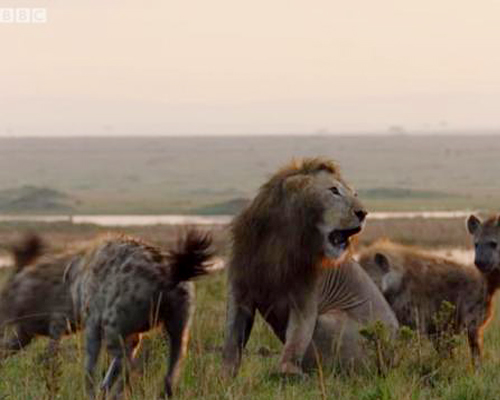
x: 419, y: 375
x: 161, y: 175
x: 418, y: 231
x: 423, y: 376
x: 189, y: 174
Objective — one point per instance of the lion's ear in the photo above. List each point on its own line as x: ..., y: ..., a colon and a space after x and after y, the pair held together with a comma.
x: 382, y: 261
x: 473, y: 223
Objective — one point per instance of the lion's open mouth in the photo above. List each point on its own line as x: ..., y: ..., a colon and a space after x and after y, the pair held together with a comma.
x: 340, y: 238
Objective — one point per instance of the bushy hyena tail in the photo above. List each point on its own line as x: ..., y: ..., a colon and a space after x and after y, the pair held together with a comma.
x: 27, y: 251
x: 191, y: 257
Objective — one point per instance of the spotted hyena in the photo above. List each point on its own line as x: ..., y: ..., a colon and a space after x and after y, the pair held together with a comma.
x: 487, y: 253
x: 416, y: 283
x: 123, y: 286
x: 34, y: 301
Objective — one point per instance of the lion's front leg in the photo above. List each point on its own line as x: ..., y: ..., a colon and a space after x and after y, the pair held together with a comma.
x: 299, y: 333
x: 240, y: 319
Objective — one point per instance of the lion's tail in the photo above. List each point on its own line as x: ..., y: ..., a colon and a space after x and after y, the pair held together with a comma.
x: 191, y: 258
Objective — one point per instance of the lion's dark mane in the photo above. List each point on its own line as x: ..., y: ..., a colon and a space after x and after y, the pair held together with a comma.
x: 275, y: 241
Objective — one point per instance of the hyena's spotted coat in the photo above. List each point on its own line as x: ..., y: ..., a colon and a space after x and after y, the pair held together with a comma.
x: 34, y: 300
x: 416, y: 283
x: 123, y: 287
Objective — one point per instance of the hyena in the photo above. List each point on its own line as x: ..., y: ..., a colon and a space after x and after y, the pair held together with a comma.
x: 34, y: 301
x: 122, y: 286
x: 487, y: 254
x: 416, y: 283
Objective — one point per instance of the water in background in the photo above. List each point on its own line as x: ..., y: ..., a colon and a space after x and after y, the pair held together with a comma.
x: 457, y: 254
x: 137, y: 220
x: 5, y: 261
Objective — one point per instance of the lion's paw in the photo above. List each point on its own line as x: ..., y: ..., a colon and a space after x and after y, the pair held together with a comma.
x: 289, y: 368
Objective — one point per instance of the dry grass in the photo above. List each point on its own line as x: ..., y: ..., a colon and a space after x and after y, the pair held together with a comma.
x: 419, y: 375
x: 182, y: 174
x: 418, y: 231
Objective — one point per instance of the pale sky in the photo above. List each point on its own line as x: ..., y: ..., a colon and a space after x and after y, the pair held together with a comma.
x: 240, y: 67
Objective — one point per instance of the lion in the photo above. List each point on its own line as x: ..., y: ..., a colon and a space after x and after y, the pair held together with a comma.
x: 416, y: 284
x: 288, y: 247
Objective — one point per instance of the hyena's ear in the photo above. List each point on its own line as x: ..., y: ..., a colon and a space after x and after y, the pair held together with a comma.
x: 27, y: 251
x: 473, y: 223
x: 382, y: 261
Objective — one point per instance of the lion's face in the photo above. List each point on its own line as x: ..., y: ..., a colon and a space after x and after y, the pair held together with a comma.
x: 486, y: 237
x: 343, y: 213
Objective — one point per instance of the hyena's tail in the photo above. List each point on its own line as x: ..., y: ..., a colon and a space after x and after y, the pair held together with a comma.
x: 27, y: 251
x: 192, y: 256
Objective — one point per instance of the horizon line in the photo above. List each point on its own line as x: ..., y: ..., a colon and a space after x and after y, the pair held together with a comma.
x: 462, y: 132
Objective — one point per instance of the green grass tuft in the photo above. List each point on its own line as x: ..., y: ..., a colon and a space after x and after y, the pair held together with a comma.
x: 418, y: 372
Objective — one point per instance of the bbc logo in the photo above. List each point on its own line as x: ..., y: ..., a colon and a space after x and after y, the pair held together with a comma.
x: 23, y: 15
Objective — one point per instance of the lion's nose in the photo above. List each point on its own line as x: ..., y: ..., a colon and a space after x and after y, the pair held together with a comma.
x: 361, y: 214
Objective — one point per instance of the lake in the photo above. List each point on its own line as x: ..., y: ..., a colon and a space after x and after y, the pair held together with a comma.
x: 167, y: 219
x: 458, y: 254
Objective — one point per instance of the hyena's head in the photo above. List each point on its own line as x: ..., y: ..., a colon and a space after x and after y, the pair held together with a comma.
x: 391, y: 280
x: 385, y: 272
x: 486, y: 237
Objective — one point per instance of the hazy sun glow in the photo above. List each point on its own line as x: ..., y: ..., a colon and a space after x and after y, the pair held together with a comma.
x: 231, y: 67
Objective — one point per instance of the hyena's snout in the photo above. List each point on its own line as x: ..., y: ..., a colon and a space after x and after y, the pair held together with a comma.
x: 361, y: 214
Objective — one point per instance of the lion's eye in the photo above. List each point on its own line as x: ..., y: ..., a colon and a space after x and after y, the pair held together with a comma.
x: 334, y: 190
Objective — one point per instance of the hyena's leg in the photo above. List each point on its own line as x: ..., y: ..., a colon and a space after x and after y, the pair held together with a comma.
x: 299, y: 332
x: 57, y: 328
x: 93, y: 337
x: 117, y: 349
x: 239, y: 321
x: 177, y: 322
x: 131, y: 346
x: 19, y: 339
x: 476, y: 346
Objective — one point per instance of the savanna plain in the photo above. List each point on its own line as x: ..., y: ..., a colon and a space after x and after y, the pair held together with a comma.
x: 217, y: 175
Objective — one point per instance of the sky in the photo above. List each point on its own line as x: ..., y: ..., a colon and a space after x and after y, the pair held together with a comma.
x: 157, y: 67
